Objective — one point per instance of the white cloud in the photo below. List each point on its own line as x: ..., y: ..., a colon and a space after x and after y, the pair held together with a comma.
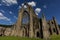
x: 2, y: 17
x: 2, y: 11
x: 37, y: 10
x: 22, y: 4
x: 15, y: 17
x: 10, y: 12
x: 0, y: 4
x: 44, y: 6
x: 19, y: 7
x: 1, y: 14
x: 10, y: 21
x: 32, y: 3
x: 25, y: 6
x: 9, y: 2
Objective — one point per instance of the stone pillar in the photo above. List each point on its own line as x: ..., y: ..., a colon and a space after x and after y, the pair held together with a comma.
x: 18, y: 24
x: 56, y: 25
x: 51, y: 27
x: 31, y: 33
x: 39, y: 28
x: 45, y: 28
x: 13, y: 32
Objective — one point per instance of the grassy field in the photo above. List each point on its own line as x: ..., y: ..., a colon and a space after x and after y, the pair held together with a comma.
x: 52, y: 37
x: 17, y: 38
x: 55, y: 37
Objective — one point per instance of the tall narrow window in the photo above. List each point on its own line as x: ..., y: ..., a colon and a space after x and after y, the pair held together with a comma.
x: 25, y: 19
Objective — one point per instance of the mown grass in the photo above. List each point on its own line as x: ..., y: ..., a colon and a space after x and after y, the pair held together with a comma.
x: 55, y: 37
x: 52, y: 37
x: 17, y: 38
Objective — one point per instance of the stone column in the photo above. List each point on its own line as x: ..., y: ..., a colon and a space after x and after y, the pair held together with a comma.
x: 18, y: 24
x: 39, y: 29
x: 45, y: 28
x: 56, y: 25
x: 31, y: 33
x: 51, y: 27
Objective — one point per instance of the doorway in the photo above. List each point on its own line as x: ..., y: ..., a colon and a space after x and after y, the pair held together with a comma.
x: 37, y: 34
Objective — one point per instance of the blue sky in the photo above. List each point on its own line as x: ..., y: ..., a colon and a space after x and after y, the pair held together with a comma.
x: 9, y: 9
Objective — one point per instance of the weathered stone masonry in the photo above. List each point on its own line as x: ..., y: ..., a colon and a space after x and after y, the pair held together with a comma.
x: 32, y: 26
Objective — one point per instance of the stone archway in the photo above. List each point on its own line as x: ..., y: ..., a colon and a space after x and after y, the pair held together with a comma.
x: 25, y: 17
x: 37, y: 34
x: 25, y: 22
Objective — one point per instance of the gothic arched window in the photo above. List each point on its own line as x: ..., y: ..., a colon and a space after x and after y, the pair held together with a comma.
x: 25, y: 18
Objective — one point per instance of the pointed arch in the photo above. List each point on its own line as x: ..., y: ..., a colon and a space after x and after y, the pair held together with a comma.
x: 25, y: 18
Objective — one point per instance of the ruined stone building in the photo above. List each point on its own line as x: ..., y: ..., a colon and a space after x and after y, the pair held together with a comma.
x: 29, y: 25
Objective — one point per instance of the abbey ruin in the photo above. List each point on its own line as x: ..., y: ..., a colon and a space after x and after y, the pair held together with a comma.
x: 29, y: 25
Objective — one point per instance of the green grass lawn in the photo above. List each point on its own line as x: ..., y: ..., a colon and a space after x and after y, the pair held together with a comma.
x: 17, y: 38
x: 55, y: 37
x: 52, y: 37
